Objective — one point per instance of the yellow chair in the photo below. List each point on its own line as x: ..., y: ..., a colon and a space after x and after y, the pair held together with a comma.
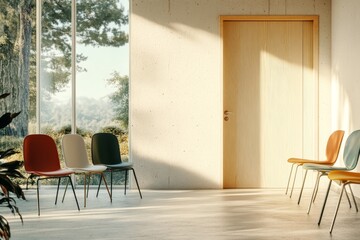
x: 345, y: 178
x: 332, y: 152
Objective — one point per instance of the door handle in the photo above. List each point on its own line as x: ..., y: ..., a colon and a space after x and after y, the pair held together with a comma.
x: 226, y: 112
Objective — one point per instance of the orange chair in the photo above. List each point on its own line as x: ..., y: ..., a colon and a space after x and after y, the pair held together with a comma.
x: 332, y: 152
x: 41, y: 159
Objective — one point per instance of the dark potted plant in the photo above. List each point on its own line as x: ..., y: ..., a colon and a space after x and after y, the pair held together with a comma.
x: 9, y: 171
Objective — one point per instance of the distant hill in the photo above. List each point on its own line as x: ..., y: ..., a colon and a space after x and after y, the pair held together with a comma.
x: 92, y: 114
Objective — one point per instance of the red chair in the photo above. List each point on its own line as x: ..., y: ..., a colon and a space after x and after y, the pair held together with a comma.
x: 41, y: 159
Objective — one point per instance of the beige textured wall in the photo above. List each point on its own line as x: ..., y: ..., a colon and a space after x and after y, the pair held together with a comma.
x: 345, y: 69
x: 176, y: 85
x: 345, y: 66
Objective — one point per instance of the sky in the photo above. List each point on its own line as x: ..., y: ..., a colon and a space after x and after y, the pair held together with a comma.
x: 101, y: 62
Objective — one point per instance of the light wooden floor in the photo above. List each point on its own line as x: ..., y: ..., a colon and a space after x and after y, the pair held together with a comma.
x: 193, y: 214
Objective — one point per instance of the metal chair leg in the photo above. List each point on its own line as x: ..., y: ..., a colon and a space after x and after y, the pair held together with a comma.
x: 317, y: 186
x: 313, y: 194
x: 38, y: 195
x: 57, y: 191
x: 84, y: 190
x: 302, y: 187
x: 347, y: 196
x: 72, y: 186
x: 88, y: 185
x: 352, y: 194
x: 325, y: 200
x: 287, y: 187
x: 137, y: 184
x: 111, y: 185
x: 66, y: 187
x: 106, y: 185
x: 292, y: 188
x: 31, y: 176
x: 101, y: 177
x: 337, y: 209
x: 126, y: 178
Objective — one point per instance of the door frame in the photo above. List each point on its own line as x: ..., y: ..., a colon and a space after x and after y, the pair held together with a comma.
x: 238, y: 18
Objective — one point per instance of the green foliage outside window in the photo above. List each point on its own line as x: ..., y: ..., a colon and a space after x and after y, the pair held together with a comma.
x: 99, y: 24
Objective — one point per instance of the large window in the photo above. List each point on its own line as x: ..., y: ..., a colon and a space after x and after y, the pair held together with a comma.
x: 71, y: 61
x: 84, y: 57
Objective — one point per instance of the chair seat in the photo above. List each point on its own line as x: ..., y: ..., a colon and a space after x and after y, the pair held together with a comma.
x: 57, y: 173
x: 320, y: 167
x: 90, y: 168
x: 123, y: 165
x: 303, y: 161
x: 345, y: 176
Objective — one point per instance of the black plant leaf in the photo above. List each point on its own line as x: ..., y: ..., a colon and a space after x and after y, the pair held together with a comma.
x: 7, y: 118
x: 9, y: 170
x: 4, y: 95
x: 10, y: 165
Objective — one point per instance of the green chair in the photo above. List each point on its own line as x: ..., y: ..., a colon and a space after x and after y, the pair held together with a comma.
x: 105, y: 150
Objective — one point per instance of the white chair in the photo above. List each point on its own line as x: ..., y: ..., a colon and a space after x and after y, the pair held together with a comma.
x: 76, y: 159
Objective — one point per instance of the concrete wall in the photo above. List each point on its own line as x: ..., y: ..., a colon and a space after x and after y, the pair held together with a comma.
x: 176, y: 85
x: 345, y: 66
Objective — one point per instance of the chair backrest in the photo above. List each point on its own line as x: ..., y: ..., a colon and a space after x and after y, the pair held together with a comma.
x: 74, y: 151
x: 352, y: 150
x: 333, y: 146
x: 105, y: 149
x: 40, y: 153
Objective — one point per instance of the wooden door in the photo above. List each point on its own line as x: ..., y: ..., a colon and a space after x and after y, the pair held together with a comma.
x: 270, y: 98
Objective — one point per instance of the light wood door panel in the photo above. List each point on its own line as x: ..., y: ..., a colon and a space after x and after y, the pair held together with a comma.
x: 269, y: 90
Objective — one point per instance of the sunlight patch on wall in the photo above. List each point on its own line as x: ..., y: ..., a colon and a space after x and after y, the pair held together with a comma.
x: 281, y: 114
x: 341, y: 117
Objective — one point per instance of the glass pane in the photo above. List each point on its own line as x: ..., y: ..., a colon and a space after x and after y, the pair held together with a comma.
x: 55, y: 108
x: 17, y: 75
x: 55, y: 75
x: 102, y: 71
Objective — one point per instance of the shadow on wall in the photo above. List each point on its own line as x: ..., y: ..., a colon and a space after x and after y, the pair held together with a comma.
x: 154, y: 174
